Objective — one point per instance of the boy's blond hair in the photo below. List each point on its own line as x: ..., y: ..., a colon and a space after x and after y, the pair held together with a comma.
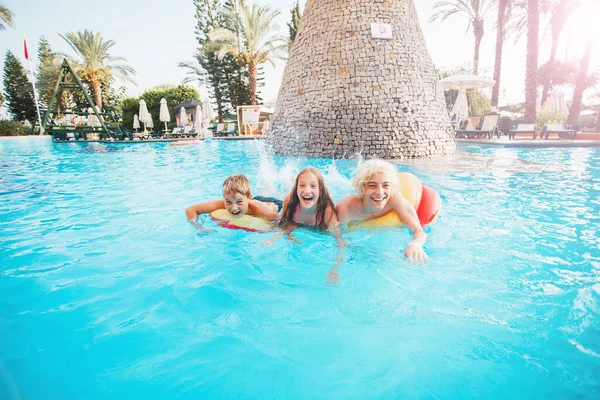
x: 237, y: 184
x: 366, y: 170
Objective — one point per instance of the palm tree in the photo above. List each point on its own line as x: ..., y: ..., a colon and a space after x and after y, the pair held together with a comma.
x: 197, y: 74
x: 581, y: 85
x: 533, y: 21
x: 253, y: 44
x: 6, y: 17
x: 504, y: 9
x: 560, y: 11
x: 474, y: 10
x: 96, y: 65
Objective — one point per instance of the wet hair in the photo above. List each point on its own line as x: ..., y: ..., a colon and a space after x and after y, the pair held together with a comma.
x: 323, y: 202
x: 237, y: 184
x: 366, y: 170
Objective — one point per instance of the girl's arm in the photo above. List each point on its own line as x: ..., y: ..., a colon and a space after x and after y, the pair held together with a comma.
x: 263, y: 210
x: 192, y: 212
x: 408, y: 215
x: 287, y: 230
x: 334, y: 226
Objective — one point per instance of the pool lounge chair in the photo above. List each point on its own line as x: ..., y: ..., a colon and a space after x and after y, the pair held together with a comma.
x: 560, y: 130
x: 470, y: 124
x: 230, y: 131
x: 187, y: 131
x: 489, y: 127
x: 219, y: 130
x: 175, y: 133
x: 523, y: 128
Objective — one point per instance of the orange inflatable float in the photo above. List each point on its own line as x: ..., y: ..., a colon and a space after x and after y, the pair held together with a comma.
x: 426, y: 200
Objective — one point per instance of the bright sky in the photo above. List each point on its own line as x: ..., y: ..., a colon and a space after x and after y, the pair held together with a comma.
x: 155, y: 35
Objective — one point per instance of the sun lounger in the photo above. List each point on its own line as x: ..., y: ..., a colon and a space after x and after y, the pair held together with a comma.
x: 560, y: 130
x: 175, y: 133
x: 470, y: 124
x: 186, y: 131
x: 489, y: 127
x: 230, y: 131
x: 220, y: 129
x: 523, y: 129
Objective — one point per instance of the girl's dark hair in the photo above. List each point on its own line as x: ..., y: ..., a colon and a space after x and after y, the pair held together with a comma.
x: 322, y: 203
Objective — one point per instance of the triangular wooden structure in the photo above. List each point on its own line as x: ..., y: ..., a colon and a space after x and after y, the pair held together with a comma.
x: 108, y: 126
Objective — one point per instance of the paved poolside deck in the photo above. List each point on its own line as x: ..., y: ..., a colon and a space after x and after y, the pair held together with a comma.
x: 254, y: 137
x: 537, y: 143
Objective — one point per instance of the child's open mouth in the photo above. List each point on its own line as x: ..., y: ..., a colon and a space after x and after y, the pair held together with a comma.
x: 307, y: 198
x: 379, y: 201
x: 237, y: 213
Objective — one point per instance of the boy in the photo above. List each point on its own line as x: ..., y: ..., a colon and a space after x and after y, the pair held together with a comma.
x: 237, y: 200
x: 377, y: 187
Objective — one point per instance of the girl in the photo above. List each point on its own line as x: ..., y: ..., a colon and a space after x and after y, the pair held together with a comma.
x: 310, y: 206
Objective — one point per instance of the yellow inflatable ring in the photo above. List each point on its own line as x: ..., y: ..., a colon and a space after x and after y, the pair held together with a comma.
x: 245, y: 222
x: 426, y: 200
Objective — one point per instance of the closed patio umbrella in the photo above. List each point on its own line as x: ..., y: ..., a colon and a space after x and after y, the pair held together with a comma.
x: 207, y: 115
x: 150, y: 122
x: 556, y: 104
x: 164, y: 115
x: 183, y: 119
x: 198, y: 120
x: 461, y: 106
x: 143, y: 114
x: 136, y: 122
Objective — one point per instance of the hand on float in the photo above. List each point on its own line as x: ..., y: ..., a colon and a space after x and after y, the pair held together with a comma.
x: 269, y: 242
x: 333, y: 277
x: 292, y: 238
x: 415, y: 254
x: 197, y: 226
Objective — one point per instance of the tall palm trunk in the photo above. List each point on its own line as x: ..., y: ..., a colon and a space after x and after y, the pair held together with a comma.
x: 533, y: 22
x: 581, y: 81
x: 96, y: 92
x: 478, y: 32
x: 252, y: 81
x: 548, y: 79
x: 502, y: 4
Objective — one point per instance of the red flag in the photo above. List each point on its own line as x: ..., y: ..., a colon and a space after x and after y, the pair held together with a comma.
x: 25, y: 48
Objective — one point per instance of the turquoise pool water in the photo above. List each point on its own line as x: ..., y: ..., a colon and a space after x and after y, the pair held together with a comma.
x: 107, y: 291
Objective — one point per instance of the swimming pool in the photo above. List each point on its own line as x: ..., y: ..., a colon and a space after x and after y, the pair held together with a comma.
x: 107, y: 292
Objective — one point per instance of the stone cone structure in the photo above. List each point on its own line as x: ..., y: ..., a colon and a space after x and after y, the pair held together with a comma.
x: 345, y: 92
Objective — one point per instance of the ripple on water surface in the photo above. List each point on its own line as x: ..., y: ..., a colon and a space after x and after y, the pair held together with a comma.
x: 109, y: 293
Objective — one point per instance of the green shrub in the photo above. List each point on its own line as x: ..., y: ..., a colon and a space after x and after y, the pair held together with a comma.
x: 8, y: 127
x: 544, y: 117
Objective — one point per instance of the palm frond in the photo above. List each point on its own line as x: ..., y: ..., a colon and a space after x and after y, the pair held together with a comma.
x: 6, y: 18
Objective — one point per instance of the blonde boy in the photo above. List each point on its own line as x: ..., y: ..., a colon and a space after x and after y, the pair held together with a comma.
x: 237, y: 200
x: 377, y: 193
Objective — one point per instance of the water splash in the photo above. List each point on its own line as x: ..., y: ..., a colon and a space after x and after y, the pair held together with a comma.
x: 277, y: 179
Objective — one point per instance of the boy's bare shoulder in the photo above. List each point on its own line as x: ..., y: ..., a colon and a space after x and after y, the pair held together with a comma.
x: 348, y: 202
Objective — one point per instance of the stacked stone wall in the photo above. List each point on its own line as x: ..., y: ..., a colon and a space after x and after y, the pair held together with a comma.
x: 345, y: 92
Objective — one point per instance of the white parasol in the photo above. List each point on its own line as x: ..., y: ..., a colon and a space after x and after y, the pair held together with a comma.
x: 136, y: 122
x: 150, y: 122
x: 461, y: 106
x: 164, y: 115
x: 198, y: 120
x: 207, y: 115
x: 462, y: 82
x: 143, y: 114
x: 183, y: 119
x: 556, y: 104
